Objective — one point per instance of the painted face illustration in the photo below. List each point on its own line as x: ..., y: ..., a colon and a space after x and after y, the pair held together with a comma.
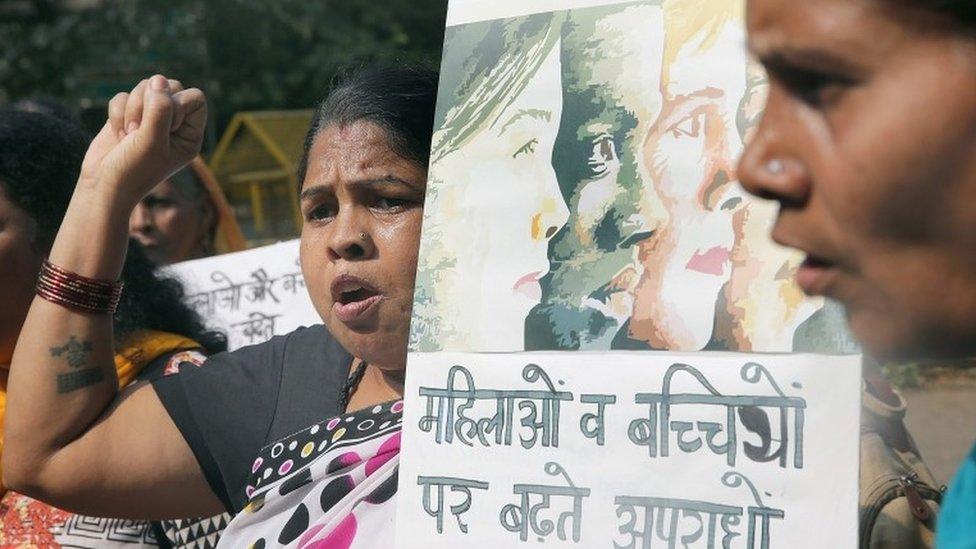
x: 691, y: 154
x: 494, y: 205
x: 610, y: 104
x: 762, y: 304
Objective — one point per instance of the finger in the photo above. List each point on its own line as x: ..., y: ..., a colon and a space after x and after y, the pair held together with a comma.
x: 133, y: 107
x: 193, y: 105
x: 103, y: 135
x: 116, y: 114
x: 175, y: 85
x: 157, y: 115
x: 187, y: 103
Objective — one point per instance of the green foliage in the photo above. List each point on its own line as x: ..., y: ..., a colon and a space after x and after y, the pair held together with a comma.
x: 245, y: 54
x: 903, y: 375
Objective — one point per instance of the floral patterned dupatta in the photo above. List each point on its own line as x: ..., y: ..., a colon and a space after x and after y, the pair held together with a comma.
x: 329, y: 486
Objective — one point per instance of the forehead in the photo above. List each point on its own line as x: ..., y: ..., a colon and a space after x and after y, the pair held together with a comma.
x: 715, y: 61
x: 853, y: 26
x: 630, y: 75
x: 12, y: 215
x: 167, y: 187
x: 343, y: 153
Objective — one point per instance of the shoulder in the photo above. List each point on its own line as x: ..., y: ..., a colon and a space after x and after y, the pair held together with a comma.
x: 270, y: 353
x: 305, y: 355
x: 311, y: 347
x: 316, y: 335
x: 301, y: 338
x: 313, y: 369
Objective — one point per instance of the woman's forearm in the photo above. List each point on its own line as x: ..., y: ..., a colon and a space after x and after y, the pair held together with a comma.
x: 63, y: 375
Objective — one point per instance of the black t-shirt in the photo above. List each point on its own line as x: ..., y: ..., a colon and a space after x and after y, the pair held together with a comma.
x: 239, y: 402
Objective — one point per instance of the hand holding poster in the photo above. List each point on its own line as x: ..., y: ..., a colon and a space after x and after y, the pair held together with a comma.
x: 634, y: 449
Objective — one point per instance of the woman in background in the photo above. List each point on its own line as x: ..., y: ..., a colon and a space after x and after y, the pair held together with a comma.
x: 186, y: 217
x: 868, y: 142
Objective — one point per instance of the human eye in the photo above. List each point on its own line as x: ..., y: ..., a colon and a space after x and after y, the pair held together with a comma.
x: 527, y: 148
x: 152, y: 202
x: 391, y: 204
x: 690, y: 125
x: 603, y: 155
x: 323, y: 212
x: 815, y: 88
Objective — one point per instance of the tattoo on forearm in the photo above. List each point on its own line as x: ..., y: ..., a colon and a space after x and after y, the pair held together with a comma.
x: 76, y: 354
x: 77, y: 380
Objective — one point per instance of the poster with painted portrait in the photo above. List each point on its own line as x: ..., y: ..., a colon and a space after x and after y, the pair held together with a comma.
x: 582, y: 191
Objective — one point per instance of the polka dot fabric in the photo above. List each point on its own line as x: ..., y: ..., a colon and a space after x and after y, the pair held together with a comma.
x: 329, y: 486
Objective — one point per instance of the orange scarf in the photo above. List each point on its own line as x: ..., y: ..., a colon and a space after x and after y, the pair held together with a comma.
x: 138, y: 350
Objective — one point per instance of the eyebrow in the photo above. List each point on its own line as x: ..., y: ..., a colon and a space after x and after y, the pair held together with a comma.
x: 374, y: 183
x: 785, y: 58
x: 540, y: 114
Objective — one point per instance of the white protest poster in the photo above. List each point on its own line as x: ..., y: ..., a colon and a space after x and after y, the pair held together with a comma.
x: 582, y: 192
x: 584, y: 220
x: 629, y: 450
x: 250, y: 295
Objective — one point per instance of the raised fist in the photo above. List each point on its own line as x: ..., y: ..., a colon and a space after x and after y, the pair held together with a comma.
x: 151, y: 133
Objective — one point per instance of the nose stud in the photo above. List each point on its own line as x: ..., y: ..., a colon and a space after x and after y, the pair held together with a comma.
x: 362, y: 236
x: 775, y: 167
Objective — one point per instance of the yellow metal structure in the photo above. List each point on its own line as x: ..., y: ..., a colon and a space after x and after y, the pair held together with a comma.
x: 258, y: 157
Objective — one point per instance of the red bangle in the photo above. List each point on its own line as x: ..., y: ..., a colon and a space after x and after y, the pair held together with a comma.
x: 76, y: 292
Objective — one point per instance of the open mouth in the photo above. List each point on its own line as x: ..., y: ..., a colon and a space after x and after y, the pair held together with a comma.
x: 816, y: 262
x: 353, y: 297
x: 814, y: 275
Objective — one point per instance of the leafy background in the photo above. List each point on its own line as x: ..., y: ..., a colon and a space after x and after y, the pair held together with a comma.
x: 247, y: 55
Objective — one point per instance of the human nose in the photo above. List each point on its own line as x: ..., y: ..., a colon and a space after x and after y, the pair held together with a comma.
x: 550, y: 218
x: 723, y: 173
x: 650, y: 216
x: 767, y: 169
x: 350, y: 237
x: 141, y: 219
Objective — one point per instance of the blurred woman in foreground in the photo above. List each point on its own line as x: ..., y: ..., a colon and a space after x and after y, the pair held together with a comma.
x: 868, y: 143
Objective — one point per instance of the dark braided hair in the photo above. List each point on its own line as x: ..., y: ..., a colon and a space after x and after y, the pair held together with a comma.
x: 40, y: 159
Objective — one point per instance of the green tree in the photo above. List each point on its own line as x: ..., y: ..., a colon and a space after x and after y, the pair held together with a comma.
x: 245, y: 54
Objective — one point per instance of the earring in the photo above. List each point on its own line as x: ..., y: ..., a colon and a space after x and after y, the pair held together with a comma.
x: 775, y: 167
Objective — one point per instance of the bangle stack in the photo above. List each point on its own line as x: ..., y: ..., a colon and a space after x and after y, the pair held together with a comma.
x: 76, y: 292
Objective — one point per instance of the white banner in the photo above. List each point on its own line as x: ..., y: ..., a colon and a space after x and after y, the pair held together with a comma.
x: 629, y: 449
x: 251, y: 295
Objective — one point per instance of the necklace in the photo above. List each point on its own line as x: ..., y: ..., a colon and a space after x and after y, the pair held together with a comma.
x: 352, y: 382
